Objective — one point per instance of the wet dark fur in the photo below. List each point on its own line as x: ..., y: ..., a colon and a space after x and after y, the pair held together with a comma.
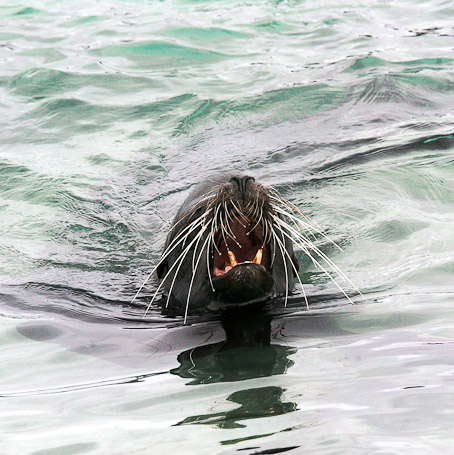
x: 252, y: 283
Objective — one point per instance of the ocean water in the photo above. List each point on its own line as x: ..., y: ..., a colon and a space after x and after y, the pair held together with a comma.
x: 111, y: 111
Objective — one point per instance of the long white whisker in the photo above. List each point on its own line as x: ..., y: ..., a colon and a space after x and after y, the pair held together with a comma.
x: 320, y: 253
x: 212, y: 234
x: 206, y: 223
x: 227, y: 213
x: 210, y: 237
x: 265, y: 232
x: 200, y: 219
x: 294, y: 269
x: 239, y: 212
x: 223, y: 230
x: 274, y: 244
x: 297, y: 221
x: 198, y: 205
x: 305, y: 249
x: 179, y: 261
x: 256, y: 207
x: 192, y: 279
x: 168, y: 250
x: 228, y: 224
x: 227, y: 228
x: 279, y: 198
x: 304, y: 225
x: 247, y: 209
x: 285, y: 267
x: 215, y: 227
x: 182, y: 256
x: 256, y: 224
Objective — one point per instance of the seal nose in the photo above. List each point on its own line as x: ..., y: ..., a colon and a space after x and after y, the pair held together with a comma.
x: 242, y: 183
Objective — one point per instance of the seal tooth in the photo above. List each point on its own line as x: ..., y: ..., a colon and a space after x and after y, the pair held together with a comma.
x: 233, y: 261
x: 258, y: 257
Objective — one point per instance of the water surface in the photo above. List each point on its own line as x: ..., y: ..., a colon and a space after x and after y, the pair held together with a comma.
x: 112, y: 111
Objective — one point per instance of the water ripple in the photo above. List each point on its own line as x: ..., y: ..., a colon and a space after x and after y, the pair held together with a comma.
x: 112, y: 111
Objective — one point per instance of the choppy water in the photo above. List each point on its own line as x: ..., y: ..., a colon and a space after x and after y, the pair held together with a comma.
x: 111, y: 111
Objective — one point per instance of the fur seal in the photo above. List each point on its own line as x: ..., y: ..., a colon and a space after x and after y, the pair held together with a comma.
x: 231, y: 242
x: 221, y: 246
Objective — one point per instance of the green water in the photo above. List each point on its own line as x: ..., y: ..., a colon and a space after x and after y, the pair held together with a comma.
x: 111, y: 111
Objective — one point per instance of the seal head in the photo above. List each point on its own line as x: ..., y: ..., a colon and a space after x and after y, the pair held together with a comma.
x: 225, y: 246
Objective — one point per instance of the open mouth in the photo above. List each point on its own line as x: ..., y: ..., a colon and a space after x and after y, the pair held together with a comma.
x: 241, y: 242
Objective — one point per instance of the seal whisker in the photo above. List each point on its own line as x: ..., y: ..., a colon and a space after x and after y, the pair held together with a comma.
x: 214, y: 228
x: 247, y: 209
x: 227, y: 213
x: 256, y: 207
x: 285, y: 264
x: 201, y: 218
x: 256, y: 224
x: 192, y: 279
x: 207, y: 223
x: 180, y: 261
x: 223, y: 231
x: 302, y: 225
x: 226, y: 217
x: 208, y: 250
x: 231, y: 234
x: 321, y: 254
x: 194, y: 209
x: 308, y: 243
x: 295, y: 271
x: 182, y: 234
x: 274, y: 243
x: 165, y: 254
x: 317, y: 263
x: 311, y: 224
x: 239, y: 211
x: 229, y: 227
x: 236, y: 216
x: 265, y: 233
x: 213, y: 245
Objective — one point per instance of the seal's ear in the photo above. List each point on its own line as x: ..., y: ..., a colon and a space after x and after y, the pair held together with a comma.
x: 295, y: 263
x: 162, y: 270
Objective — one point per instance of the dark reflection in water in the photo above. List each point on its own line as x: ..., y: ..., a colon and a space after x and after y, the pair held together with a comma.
x: 212, y: 363
x: 247, y: 353
x: 254, y: 404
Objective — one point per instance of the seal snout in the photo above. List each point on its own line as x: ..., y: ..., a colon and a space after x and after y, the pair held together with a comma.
x: 245, y: 283
x: 242, y: 185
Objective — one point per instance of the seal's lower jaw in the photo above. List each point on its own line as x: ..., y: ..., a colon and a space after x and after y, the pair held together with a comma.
x: 243, y: 284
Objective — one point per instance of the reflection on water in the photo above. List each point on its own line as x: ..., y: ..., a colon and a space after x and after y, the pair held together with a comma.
x: 211, y: 363
x: 245, y: 354
x: 254, y: 404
